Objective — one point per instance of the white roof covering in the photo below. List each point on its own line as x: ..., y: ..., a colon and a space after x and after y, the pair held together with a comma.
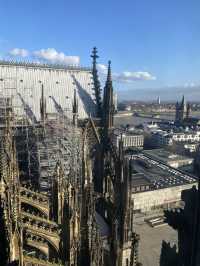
x: 59, y: 83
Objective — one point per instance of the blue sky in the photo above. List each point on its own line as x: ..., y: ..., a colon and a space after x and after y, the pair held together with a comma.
x: 153, y: 45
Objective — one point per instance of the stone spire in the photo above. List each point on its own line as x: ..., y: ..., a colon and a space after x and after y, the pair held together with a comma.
x: 108, y: 109
x: 97, y: 86
x: 183, y: 101
x: 188, y: 111
x: 181, y: 110
x: 184, y: 106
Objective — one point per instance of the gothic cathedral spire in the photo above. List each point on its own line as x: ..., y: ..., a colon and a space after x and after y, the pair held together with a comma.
x: 108, y: 108
x: 183, y: 101
x: 97, y: 86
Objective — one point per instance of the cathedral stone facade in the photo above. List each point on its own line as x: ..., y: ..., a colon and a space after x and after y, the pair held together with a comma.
x: 82, y: 215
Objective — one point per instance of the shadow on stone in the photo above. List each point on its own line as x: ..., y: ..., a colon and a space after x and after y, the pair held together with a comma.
x: 181, y: 220
x: 169, y: 255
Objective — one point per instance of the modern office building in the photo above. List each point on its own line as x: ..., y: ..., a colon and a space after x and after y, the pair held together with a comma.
x: 130, y: 139
x: 163, y: 138
x: 169, y: 158
x: 157, y: 186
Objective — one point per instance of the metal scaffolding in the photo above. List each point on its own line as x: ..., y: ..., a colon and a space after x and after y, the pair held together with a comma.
x: 40, y: 144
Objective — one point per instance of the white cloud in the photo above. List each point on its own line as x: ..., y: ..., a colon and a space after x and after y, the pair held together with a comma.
x: 51, y: 55
x: 102, y: 69
x: 127, y: 76
x: 19, y: 52
x: 134, y: 76
x: 189, y: 85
